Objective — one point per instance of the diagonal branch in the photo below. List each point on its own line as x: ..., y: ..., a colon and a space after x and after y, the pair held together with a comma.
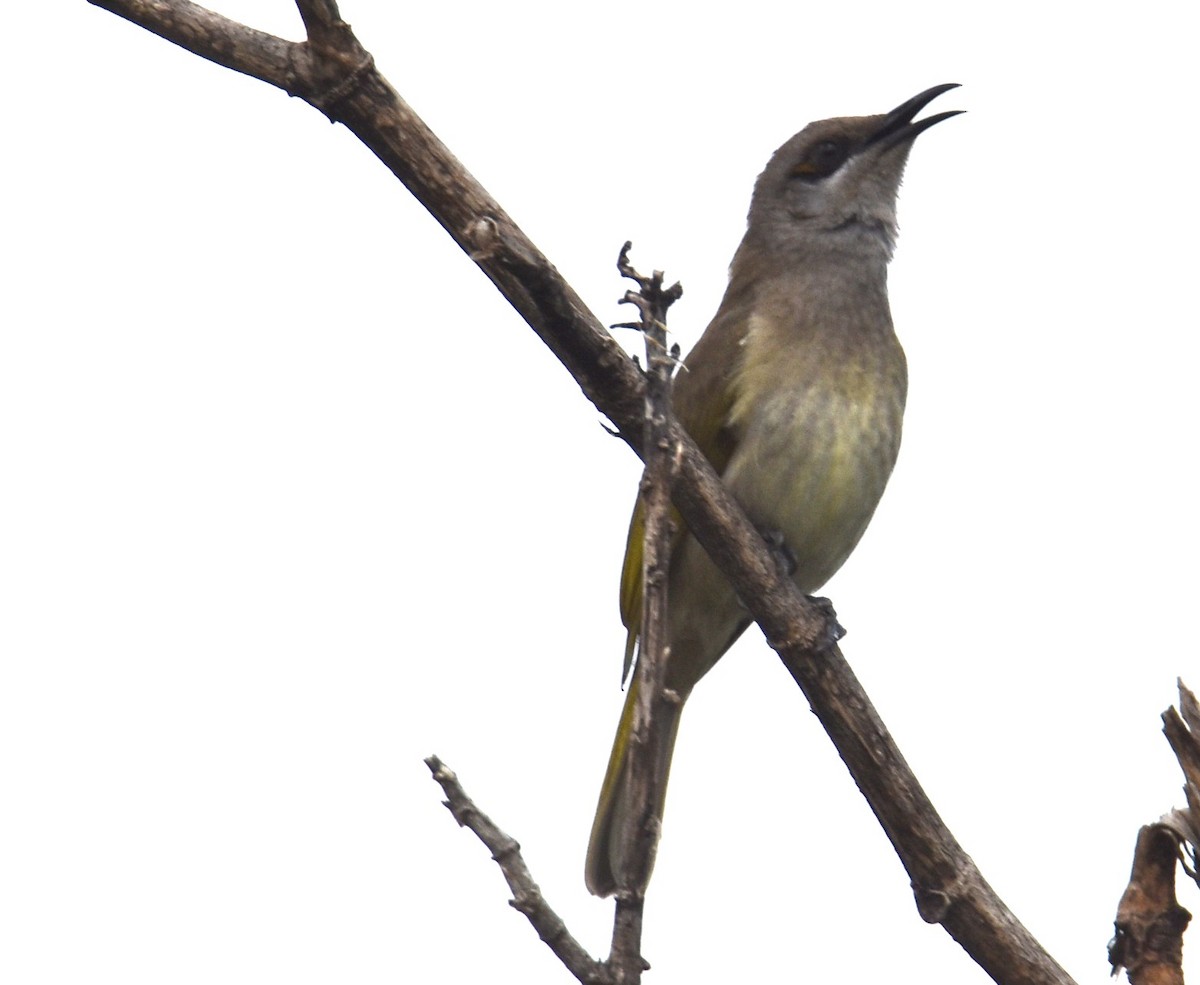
x: 527, y: 897
x: 319, y: 15
x: 212, y: 36
x: 335, y: 74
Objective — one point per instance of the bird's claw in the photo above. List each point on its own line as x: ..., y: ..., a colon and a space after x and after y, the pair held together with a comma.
x: 834, y: 630
x: 785, y: 559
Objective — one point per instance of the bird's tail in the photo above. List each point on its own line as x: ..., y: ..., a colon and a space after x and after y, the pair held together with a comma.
x: 615, y: 828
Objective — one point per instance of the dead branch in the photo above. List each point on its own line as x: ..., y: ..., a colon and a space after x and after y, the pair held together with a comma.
x: 652, y: 300
x: 1182, y: 729
x: 527, y: 897
x: 1150, y: 922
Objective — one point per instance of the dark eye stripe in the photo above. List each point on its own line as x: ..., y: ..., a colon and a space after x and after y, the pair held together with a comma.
x: 822, y: 159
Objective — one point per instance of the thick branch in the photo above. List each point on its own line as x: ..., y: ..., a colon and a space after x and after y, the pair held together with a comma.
x: 206, y: 33
x: 1150, y: 922
x: 948, y: 887
x: 341, y: 80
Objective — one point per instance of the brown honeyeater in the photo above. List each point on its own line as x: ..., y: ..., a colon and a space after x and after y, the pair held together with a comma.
x: 795, y: 393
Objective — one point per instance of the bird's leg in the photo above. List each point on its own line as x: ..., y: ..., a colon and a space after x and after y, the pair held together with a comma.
x: 785, y: 558
x: 786, y: 563
x: 834, y: 630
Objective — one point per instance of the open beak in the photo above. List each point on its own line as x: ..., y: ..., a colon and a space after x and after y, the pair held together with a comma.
x: 898, y: 126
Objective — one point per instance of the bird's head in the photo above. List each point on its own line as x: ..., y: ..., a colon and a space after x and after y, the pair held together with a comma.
x: 835, y: 182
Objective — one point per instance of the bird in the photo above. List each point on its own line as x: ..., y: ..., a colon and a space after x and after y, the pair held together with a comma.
x: 795, y: 393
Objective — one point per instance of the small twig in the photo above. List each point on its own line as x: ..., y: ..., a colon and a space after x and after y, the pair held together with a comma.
x: 527, y: 897
x: 319, y: 15
x: 652, y: 300
x: 646, y: 742
x: 1182, y: 729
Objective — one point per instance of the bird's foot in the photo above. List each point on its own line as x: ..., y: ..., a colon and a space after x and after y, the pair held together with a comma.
x: 785, y: 559
x: 786, y: 563
x: 834, y: 630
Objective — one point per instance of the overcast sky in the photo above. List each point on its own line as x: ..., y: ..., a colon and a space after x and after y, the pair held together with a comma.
x: 291, y: 498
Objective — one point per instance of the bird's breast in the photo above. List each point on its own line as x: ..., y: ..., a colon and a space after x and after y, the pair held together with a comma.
x: 817, y: 420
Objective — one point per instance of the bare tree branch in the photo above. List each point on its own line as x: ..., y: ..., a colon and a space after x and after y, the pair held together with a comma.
x: 208, y: 34
x: 1182, y: 729
x: 527, y: 897
x: 1150, y: 922
x: 334, y: 73
x: 319, y: 15
x: 647, y: 742
x: 948, y: 887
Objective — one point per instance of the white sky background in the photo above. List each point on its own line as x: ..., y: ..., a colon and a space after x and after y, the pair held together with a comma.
x: 292, y: 499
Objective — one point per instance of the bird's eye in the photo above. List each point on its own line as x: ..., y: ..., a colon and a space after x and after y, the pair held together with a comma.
x: 822, y: 160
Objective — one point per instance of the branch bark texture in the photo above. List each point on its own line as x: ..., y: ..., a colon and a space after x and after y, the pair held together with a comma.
x: 527, y: 897
x: 334, y: 73
x: 648, y: 740
x: 1182, y: 728
x: 1150, y: 922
